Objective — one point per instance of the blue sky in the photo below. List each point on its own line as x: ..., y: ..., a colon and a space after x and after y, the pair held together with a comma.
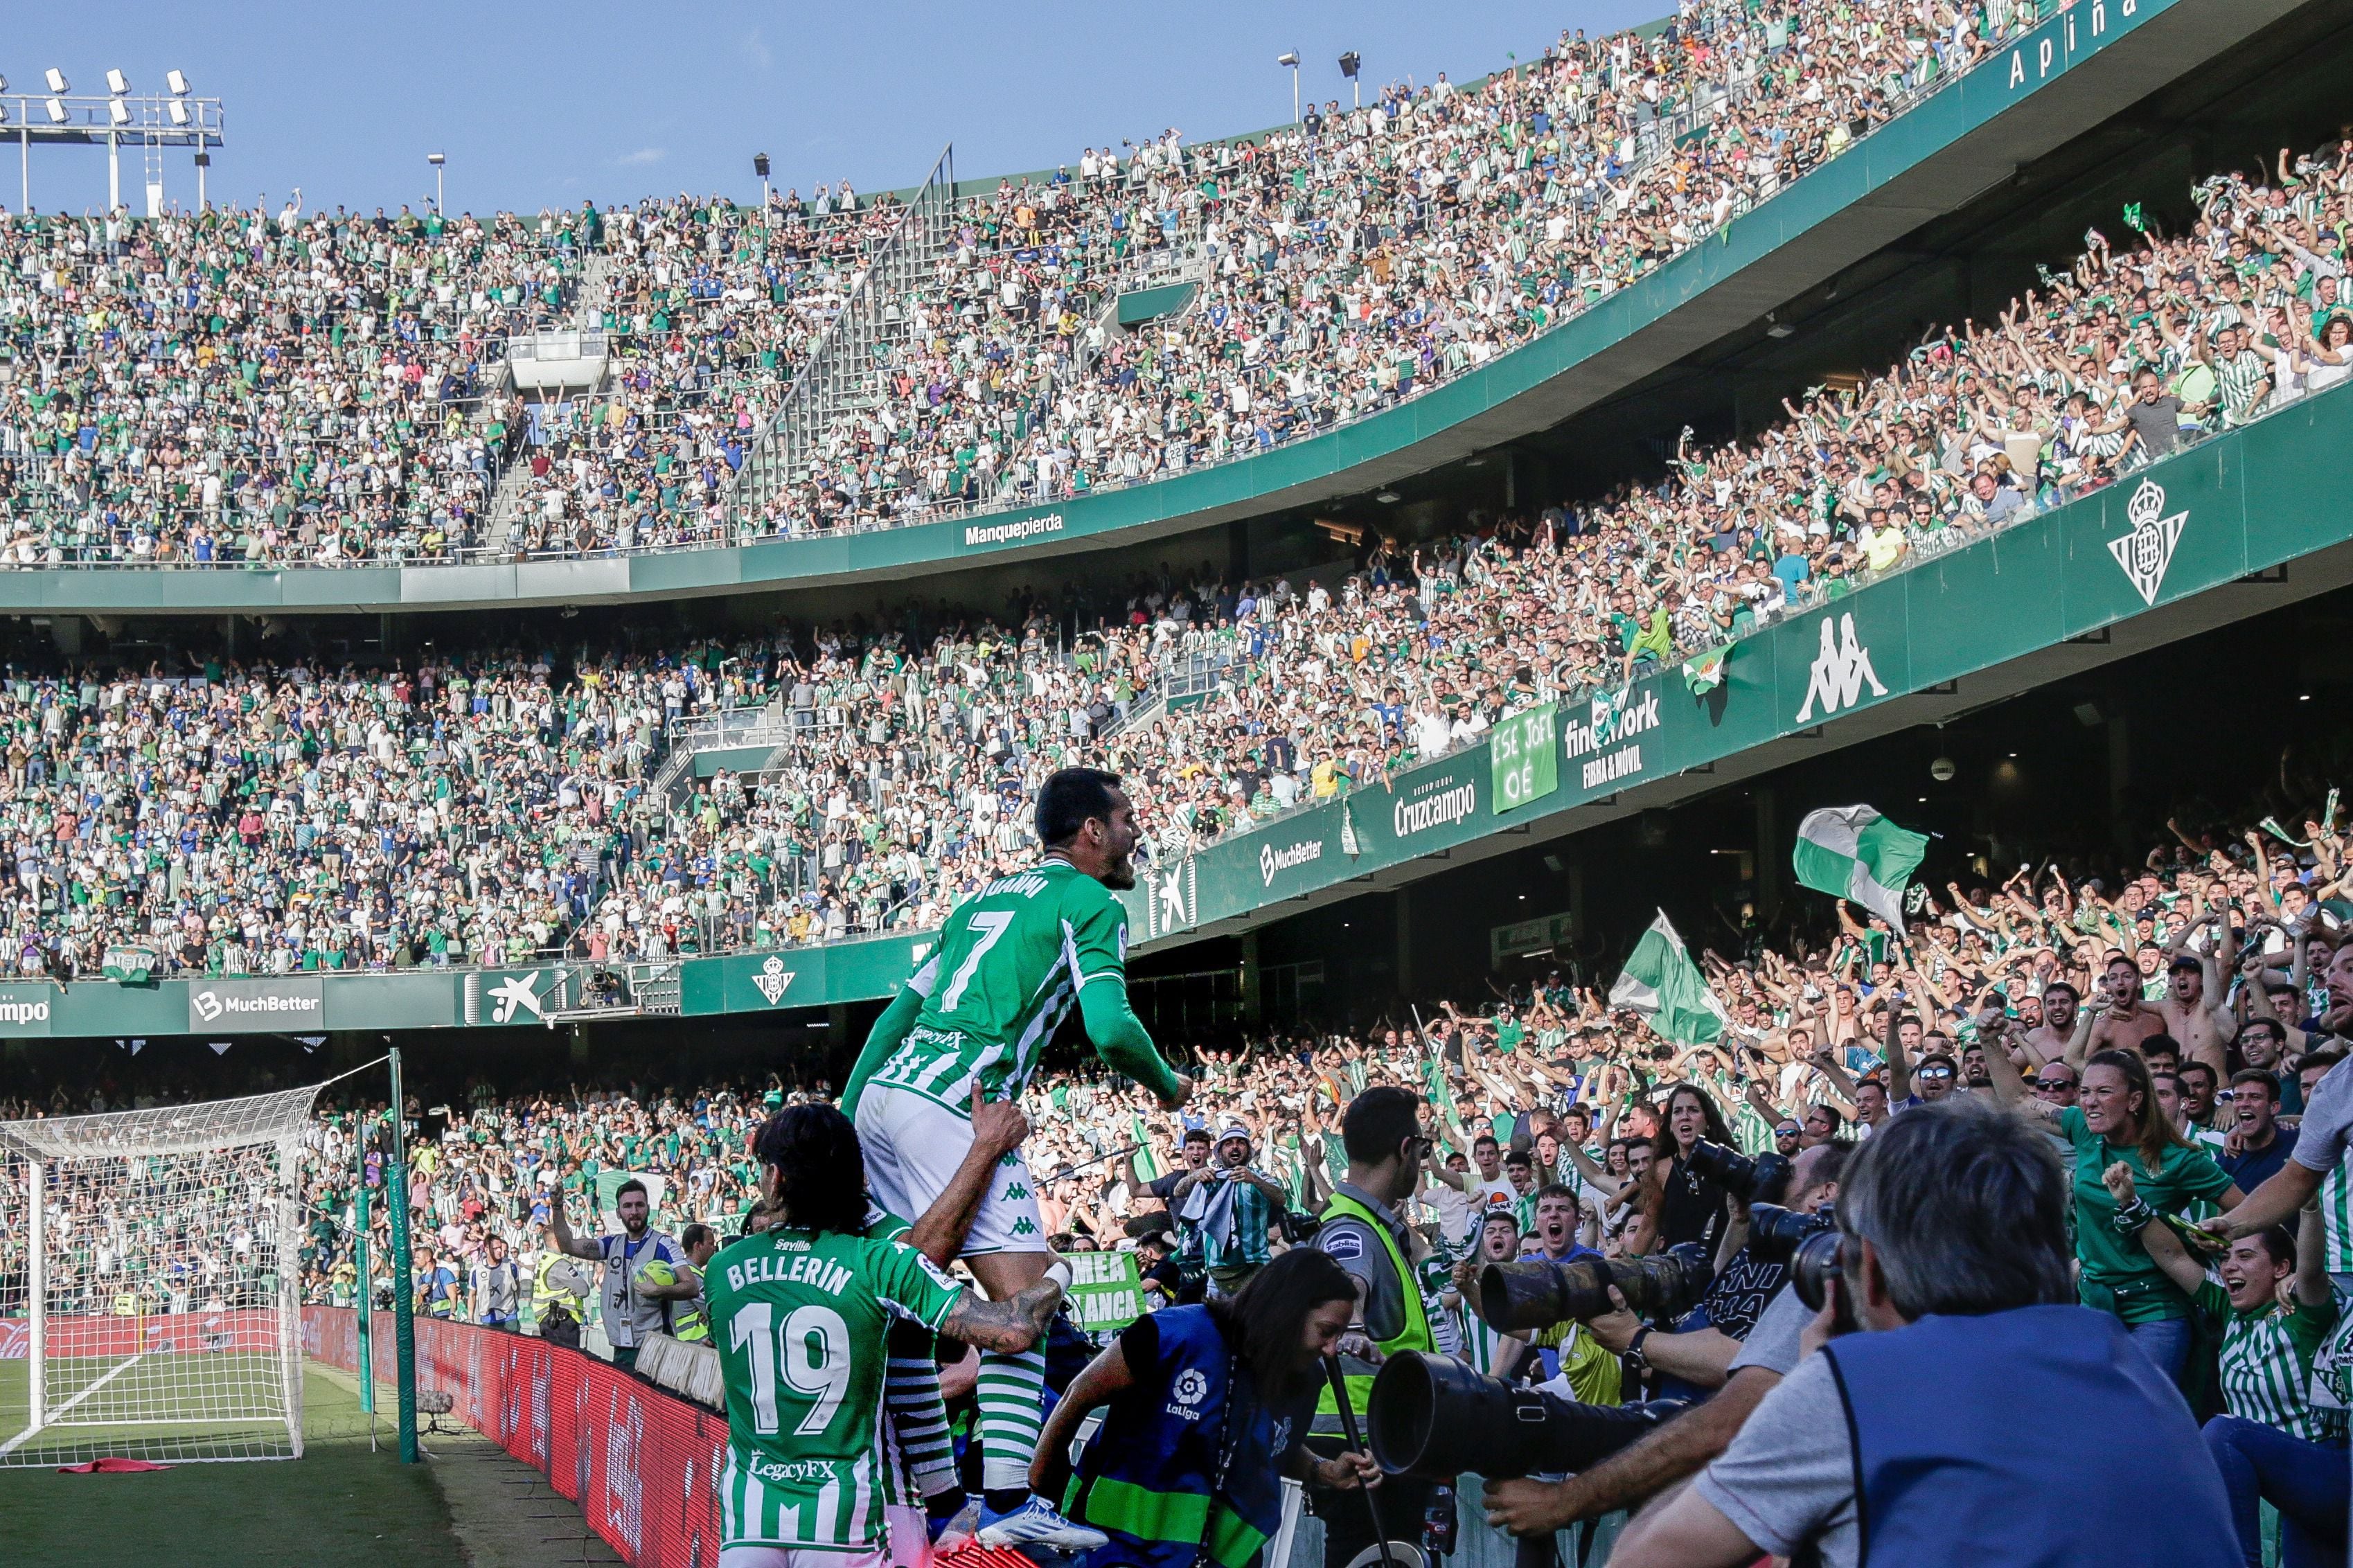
x: 543, y: 106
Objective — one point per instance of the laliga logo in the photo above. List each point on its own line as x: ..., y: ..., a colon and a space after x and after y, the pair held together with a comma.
x: 772, y: 979
x: 2148, y: 550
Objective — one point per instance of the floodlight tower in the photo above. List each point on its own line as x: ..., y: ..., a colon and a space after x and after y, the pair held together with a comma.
x: 153, y: 122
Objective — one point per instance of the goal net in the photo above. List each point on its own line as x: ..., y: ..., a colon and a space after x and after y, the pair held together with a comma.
x: 147, y: 1283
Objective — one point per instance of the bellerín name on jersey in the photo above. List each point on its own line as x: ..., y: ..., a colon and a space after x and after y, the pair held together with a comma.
x: 815, y: 1273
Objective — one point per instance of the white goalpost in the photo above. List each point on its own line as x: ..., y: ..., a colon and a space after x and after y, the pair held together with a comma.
x: 148, y: 1302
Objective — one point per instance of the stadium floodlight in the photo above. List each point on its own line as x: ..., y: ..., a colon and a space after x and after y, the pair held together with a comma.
x: 1289, y: 61
x: 57, y: 107
x: 176, y: 83
x: 3, y: 110
x: 3, y: 84
x: 58, y: 83
x: 117, y: 83
x: 1350, y: 63
x: 437, y: 160
x: 117, y: 112
x: 177, y: 112
x: 760, y: 168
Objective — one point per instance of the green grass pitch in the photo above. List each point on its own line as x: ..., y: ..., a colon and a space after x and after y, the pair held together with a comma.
x: 338, y: 1504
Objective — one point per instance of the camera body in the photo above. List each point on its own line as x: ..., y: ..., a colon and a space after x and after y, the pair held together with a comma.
x: 1746, y: 1177
x: 1776, y: 1232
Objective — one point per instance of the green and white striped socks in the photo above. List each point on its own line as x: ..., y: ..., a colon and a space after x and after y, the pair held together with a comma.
x: 1011, y: 1388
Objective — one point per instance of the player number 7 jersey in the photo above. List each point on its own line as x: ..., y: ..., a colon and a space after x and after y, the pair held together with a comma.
x: 801, y: 1322
x: 1010, y: 967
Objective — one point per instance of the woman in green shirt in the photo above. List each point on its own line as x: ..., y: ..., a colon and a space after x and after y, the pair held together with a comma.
x: 2116, y: 1119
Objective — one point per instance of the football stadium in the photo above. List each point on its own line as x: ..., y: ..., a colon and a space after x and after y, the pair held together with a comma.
x: 1254, y: 850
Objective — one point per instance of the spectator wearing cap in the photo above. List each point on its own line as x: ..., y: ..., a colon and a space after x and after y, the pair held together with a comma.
x: 1233, y: 1207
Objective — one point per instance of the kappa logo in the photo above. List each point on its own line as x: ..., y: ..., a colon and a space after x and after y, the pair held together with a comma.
x: 2148, y: 550
x: 1016, y: 1192
x: 1024, y: 1226
x: 772, y: 979
x: 1840, y: 671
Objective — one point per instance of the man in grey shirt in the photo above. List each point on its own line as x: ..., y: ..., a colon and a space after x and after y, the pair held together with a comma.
x: 1973, y: 1278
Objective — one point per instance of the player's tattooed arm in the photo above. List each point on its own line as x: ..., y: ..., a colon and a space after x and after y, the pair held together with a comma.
x: 1010, y: 1326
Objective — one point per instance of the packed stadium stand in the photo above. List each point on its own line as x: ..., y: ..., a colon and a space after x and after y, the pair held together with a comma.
x: 1540, y: 492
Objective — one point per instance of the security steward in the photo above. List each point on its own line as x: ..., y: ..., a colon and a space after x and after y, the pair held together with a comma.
x: 680, y: 1284
x: 1365, y: 1233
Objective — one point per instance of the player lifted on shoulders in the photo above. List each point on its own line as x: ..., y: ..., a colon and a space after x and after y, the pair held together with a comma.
x: 1011, y: 964
x: 800, y: 1313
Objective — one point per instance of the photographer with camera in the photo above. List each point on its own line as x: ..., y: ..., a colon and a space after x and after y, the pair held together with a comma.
x: 1695, y: 1357
x: 1952, y: 1256
x: 1682, y: 1204
x: 1364, y: 1231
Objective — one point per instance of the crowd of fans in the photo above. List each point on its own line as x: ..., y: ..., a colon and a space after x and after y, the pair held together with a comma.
x: 388, y: 817
x: 2171, y: 1020
x: 240, y: 385
x: 244, y: 386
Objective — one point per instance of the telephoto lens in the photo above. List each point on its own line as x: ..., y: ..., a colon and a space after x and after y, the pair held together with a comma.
x: 1536, y: 1293
x: 1433, y: 1416
x: 1774, y: 1232
x: 1744, y: 1177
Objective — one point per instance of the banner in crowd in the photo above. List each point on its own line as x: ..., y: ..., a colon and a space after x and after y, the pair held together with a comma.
x: 1525, y: 765
x: 1105, y: 1291
x: 639, y: 1462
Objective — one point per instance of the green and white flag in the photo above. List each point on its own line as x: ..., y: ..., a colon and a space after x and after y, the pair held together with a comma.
x: 1663, y: 983
x: 1704, y: 672
x: 130, y: 965
x: 1852, y: 852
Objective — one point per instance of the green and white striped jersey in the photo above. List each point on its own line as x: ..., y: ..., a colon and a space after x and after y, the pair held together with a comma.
x: 2265, y: 1370
x: 801, y: 1320
x: 2336, y: 1219
x: 1010, y: 967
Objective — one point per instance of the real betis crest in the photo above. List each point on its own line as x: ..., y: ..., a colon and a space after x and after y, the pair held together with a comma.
x: 771, y: 980
x: 2148, y: 550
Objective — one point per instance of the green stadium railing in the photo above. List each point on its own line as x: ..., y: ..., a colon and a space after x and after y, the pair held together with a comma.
x: 2243, y: 504
x: 2057, y: 48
